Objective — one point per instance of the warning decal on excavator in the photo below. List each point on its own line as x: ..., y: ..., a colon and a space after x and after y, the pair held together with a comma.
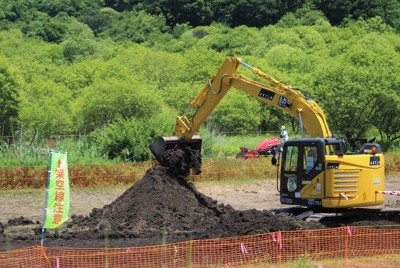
x: 283, y: 102
x: 374, y: 161
x: 266, y: 94
x: 332, y: 166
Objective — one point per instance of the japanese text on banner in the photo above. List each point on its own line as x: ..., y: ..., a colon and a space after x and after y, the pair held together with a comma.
x: 58, y: 201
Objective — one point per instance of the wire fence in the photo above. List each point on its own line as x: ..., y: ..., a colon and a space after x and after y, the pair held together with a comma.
x: 337, y: 247
x: 104, y: 175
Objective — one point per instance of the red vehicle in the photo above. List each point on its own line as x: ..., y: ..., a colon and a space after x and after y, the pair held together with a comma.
x: 264, y: 148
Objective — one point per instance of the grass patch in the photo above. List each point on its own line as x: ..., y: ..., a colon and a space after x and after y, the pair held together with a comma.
x: 20, y: 232
x: 28, y: 192
x: 228, y: 182
x: 224, y: 146
x: 232, y: 169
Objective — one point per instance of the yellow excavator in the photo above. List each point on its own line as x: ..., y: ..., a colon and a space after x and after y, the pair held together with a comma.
x: 314, y: 171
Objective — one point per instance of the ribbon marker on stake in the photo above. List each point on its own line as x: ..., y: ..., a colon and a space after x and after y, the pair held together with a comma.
x: 349, y: 230
x: 280, y: 239
x: 243, y: 248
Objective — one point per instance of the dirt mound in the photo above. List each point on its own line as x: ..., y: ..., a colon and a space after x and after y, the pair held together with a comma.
x: 164, y: 204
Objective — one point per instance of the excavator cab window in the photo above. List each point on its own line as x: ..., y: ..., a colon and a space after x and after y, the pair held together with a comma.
x: 291, y: 158
x: 335, y: 147
x: 310, y: 158
x: 302, y: 161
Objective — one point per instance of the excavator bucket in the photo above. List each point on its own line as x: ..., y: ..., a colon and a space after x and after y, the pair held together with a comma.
x: 161, y: 145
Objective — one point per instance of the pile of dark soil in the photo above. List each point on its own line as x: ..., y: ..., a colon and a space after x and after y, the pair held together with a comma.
x: 163, y: 204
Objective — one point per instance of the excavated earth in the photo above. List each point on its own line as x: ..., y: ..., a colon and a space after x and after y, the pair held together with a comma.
x: 164, y: 208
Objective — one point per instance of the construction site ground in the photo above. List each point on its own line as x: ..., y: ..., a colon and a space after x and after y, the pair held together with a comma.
x: 164, y: 208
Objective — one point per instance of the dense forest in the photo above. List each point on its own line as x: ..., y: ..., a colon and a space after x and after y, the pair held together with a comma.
x: 118, y: 72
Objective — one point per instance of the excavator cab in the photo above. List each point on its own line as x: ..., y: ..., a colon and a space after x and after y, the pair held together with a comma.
x: 302, y: 168
x: 317, y: 172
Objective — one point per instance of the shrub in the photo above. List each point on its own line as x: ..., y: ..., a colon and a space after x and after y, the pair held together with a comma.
x: 128, y: 139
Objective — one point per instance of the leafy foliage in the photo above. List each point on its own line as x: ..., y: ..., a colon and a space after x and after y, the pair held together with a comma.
x: 120, y: 71
x: 106, y: 101
x: 235, y: 113
x: 79, y: 42
x: 129, y: 139
x: 45, y: 108
x: 9, y: 99
x: 136, y: 27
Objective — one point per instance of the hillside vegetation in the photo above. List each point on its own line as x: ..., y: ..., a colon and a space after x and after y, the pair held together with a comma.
x: 103, y: 79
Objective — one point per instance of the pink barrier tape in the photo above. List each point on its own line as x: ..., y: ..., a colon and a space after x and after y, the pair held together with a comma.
x: 389, y: 192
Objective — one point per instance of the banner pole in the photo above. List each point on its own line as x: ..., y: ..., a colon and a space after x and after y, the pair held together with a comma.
x: 47, y: 196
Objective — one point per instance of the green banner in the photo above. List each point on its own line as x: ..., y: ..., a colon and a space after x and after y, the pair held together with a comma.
x: 57, y: 208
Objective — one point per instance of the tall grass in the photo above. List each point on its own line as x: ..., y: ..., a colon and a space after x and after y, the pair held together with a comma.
x: 83, y: 149
x: 225, y: 146
x: 23, y: 153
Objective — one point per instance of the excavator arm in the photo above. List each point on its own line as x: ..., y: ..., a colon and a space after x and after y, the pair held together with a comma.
x: 275, y: 93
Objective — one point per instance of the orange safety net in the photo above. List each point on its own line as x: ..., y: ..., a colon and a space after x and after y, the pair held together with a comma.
x: 336, y: 247
x: 101, y: 175
x: 81, y: 175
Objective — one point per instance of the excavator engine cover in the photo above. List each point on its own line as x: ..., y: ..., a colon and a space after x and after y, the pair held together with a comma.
x: 161, y: 145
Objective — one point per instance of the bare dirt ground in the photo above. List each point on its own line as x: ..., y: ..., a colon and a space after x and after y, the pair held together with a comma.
x: 257, y: 194
x: 161, y: 207
x: 242, y: 195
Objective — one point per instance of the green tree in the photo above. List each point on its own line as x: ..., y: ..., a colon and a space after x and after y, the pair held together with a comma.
x: 99, y: 19
x: 34, y: 23
x: 136, y: 27
x: 241, y: 40
x: 391, y: 11
x: 121, y: 5
x: 237, y: 113
x: 385, y: 116
x: 196, y: 13
x: 306, y: 15
x: 45, y: 108
x: 272, y: 118
x: 128, y: 139
x: 111, y: 98
x: 362, y: 26
x: 79, y: 42
x: 55, y: 29
x: 160, y: 69
x: 9, y: 100
x: 339, y: 11
x: 80, y: 75
x: 200, y: 65
x: 70, y: 7
x: 289, y: 59
x: 254, y: 13
x: 339, y: 86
